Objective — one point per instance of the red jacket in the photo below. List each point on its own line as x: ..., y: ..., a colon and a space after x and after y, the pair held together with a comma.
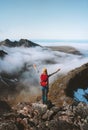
x: 44, y: 80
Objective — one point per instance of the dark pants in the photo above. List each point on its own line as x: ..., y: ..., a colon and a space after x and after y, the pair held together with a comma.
x: 44, y: 94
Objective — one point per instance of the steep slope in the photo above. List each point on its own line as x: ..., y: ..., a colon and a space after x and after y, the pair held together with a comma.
x: 63, y: 89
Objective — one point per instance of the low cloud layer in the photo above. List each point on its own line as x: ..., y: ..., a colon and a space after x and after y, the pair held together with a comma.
x: 22, y: 59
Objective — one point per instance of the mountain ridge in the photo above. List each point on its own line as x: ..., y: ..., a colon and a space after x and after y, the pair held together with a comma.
x: 21, y: 42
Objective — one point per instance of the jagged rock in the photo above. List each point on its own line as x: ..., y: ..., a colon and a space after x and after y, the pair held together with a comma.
x: 2, y: 53
x: 55, y: 109
x: 27, y: 43
x: 6, y: 85
x: 82, y: 110
x: 10, y: 82
x: 42, y: 108
x: 21, y: 42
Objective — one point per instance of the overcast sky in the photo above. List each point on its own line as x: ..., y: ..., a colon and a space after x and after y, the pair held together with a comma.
x: 44, y: 19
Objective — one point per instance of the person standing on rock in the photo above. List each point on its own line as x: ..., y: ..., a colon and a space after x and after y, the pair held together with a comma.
x: 44, y: 82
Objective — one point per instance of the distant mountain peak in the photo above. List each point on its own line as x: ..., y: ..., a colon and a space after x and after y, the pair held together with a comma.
x: 7, y: 40
x: 21, y: 42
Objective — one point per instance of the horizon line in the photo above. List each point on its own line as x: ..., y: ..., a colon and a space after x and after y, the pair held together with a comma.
x: 49, y: 40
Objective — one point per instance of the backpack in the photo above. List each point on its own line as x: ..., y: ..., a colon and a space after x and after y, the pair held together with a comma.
x: 44, y: 80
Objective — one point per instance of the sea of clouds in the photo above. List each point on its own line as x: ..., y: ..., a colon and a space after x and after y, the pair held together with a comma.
x: 23, y: 58
x: 19, y: 56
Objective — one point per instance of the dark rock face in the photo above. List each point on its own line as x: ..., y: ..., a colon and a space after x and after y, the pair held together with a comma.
x: 2, y: 53
x: 8, y: 84
x: 78, y: 79
x: 22, y: 42
x: 64, y: 87
x: 4, y: 107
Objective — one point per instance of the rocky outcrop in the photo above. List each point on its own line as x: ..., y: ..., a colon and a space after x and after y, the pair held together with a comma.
x: 10, y: 82
x: 37, y: 116
x: 2, y: 54
x: 64, y: 87
x: 21, y: 42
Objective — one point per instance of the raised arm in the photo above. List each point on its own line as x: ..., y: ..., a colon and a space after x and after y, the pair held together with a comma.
x: 35, y: 68
x: 53, y: 73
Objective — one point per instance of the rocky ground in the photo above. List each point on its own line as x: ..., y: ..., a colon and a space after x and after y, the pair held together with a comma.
x: 37, y: 116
